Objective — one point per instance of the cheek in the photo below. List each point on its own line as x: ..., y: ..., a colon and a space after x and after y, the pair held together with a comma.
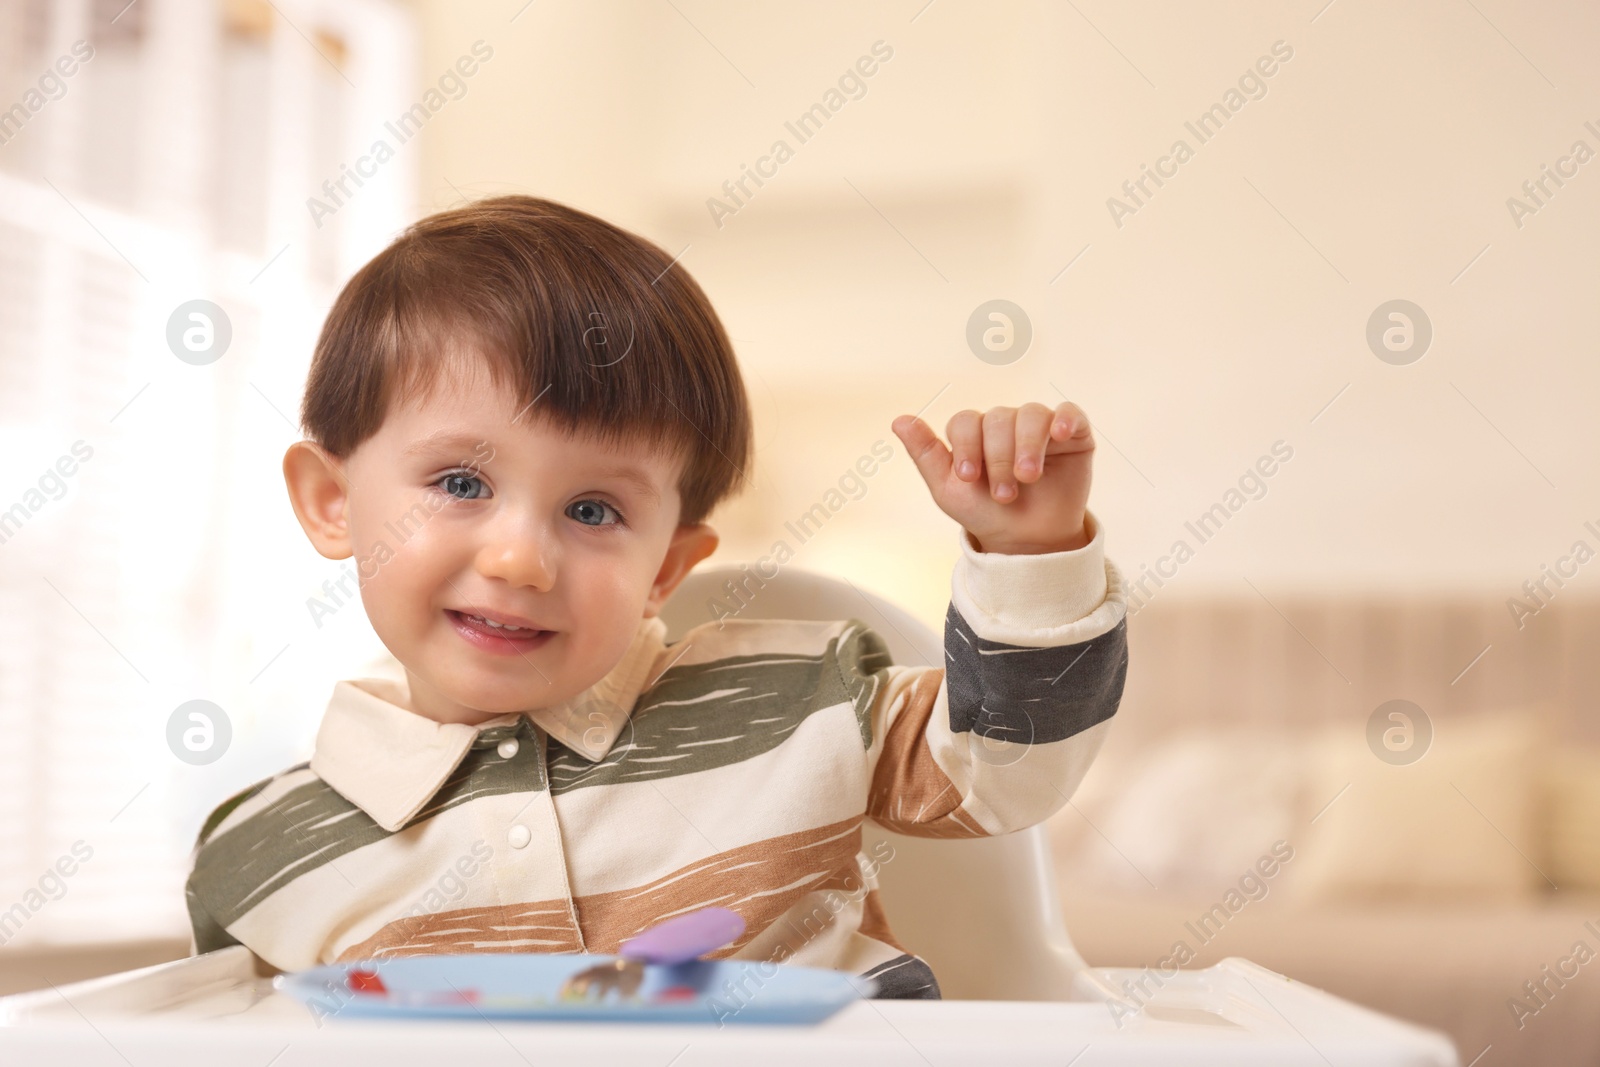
x: 400, y: 577
x: 386, y: 594
x: 606, y: 591
x: 603, y: 586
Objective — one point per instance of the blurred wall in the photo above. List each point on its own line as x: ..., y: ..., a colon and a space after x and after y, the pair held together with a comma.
x: 1212, y: 316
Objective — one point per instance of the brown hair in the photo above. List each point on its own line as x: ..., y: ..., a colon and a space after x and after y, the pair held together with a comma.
x: 595, y: 328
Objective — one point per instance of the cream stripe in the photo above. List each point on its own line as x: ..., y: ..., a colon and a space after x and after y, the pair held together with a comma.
x: 811, y: 933
x: 621, y: 835
x: 318, y: 915
x: 1005, y: 797
x: 785, y: 640
x: 1054, y: 598
x: 862, y: 953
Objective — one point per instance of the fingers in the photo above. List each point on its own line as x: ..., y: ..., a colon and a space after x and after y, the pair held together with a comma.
x: 1069, y: 430
x: 1005, y: 445
x: 932, y: 458
x: 965, y: 432
x: 999, y: 452
x: 1034, y: 422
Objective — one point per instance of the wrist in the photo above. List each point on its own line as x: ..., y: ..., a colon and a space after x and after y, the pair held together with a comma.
x: 1017, y: 598
x: 1004, y: 547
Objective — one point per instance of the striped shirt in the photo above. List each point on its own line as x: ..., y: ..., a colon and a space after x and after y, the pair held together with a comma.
x: 734, y: 767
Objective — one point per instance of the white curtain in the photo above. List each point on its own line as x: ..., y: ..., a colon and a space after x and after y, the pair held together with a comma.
x: 148, y: 556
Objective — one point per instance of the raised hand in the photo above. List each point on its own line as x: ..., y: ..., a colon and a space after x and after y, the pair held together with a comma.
x: 1016, y: 478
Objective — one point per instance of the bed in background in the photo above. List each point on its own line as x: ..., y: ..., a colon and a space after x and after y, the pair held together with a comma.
x: 1246, y: 804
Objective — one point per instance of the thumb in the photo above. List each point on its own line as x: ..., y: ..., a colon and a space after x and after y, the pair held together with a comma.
x: 932, y: 457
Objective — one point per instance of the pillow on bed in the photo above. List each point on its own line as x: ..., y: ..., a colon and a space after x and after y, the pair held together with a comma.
x: 1188, y: 814
x: 1461, y: 822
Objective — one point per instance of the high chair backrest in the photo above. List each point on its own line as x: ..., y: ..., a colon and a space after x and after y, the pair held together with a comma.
x: 983, y: 912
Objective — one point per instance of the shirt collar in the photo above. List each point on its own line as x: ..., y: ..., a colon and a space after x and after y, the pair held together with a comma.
x: 389, y: 761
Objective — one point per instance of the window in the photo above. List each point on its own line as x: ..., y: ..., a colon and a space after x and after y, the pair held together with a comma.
x: 151, y: 155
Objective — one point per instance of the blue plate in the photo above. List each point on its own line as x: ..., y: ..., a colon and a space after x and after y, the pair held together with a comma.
x: 505, y: 985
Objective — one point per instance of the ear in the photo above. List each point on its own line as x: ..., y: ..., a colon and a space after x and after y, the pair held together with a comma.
x: 690, y: 545
x: 319, y: 493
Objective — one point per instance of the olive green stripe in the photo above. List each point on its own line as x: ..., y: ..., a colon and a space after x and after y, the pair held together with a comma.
x: 680, y: 727
x: 227, y: 807
x: 313, y: 824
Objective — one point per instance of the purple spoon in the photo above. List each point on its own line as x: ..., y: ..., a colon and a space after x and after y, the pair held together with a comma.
x: 678, y: 940
x: 684, y: 937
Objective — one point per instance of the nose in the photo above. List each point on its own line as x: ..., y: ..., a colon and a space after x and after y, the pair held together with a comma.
x: 519, y: 554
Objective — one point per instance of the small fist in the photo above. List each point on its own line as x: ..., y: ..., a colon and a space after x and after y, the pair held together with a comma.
x: 1017, y: 479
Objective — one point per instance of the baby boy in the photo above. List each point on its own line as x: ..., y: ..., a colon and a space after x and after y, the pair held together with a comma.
x: 549, y: 409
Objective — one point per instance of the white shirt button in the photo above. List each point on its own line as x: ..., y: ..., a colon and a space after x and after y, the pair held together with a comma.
x: 508, y: 748
x: 519, y: 836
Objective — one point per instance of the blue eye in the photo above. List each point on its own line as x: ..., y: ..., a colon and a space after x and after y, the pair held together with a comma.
x: 463, y: 486
x: 596, y: 510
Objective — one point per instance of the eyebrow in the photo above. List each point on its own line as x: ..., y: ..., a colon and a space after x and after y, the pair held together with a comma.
x: 441, y: 441
x: 634, y: 477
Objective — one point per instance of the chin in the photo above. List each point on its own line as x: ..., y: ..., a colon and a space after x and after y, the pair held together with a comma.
x: 501, y: 699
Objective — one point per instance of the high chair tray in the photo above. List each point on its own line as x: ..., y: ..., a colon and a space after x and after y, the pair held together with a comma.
x: 223, y: 1008
x: 520, y: 985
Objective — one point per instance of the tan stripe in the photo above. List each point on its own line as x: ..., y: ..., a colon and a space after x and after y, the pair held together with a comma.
x: 874, y: 923
x: 742, y: 879
x: 911, y: 794
x: 538, y: 926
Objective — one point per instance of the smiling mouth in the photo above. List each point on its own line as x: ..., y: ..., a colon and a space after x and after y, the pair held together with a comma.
x: 498, y: 637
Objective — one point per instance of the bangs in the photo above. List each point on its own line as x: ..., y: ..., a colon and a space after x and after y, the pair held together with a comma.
x: 581, y: 323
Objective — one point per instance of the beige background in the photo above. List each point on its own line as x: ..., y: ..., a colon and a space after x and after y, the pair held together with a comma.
x: 1220, y: 318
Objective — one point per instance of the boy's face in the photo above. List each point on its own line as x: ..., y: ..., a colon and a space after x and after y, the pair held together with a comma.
x: 462, y: 510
